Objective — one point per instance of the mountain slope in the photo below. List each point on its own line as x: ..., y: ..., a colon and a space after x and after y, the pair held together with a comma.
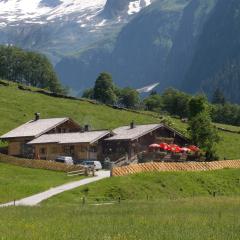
x: 137, y: 55
x: 157, y: 45
x: 61, y: 27
x: 216, y: 59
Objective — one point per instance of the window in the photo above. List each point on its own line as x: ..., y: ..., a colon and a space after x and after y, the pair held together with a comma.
x: 93, y: 149
x: 69, y: 150
x: 42, y: 151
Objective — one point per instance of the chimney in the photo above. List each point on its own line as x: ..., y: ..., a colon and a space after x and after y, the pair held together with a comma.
x: 86, y: 128
x: 37, y: 116
x: 132, y: 125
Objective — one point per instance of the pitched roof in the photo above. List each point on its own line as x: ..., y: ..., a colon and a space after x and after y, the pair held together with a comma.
x: 34, y: 128
x: 128, y: 133
x: 70, y: 138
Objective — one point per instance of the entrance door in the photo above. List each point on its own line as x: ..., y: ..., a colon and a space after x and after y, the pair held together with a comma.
x: 93, y: 152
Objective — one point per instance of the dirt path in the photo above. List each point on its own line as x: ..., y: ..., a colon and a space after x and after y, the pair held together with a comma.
x: 38, y: 198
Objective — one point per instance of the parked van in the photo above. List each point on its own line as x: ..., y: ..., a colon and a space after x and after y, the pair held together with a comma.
x: 96, y: 164
x: 64, y: 159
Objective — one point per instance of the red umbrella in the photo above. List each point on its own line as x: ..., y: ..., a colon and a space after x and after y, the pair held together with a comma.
x: 164, y: 146
x: 154, y: 145
x: 185, y: 149
x: 194, y: 148
x: 175, y: 148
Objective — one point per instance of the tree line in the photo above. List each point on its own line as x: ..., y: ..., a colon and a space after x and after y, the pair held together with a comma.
x: 29, y: 68
x: 196, y: 108
x: 175, y: 102
x: 171, y: 101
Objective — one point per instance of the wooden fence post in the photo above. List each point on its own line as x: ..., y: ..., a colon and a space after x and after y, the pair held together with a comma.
x: 83, y: 201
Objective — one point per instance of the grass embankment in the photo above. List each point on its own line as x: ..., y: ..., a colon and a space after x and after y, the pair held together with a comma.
x: 17, y: 107
x: 157, y: 186
x: 18, y: 182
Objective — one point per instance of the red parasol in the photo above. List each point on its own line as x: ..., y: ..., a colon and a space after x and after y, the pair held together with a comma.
x: 164, y: 146
x: 154, y: 145
x: 175, y: 148
x: 194, y: 148
x: 185, y: 149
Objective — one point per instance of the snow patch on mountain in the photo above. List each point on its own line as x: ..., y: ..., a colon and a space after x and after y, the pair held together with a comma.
x: 136, y: 6
x: 22, y: 10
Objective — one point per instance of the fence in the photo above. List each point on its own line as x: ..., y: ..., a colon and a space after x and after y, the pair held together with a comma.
x: 174, y: 167
x: 38, y: 164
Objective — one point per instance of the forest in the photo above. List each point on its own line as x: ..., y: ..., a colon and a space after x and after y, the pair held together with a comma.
x: 29, y: 68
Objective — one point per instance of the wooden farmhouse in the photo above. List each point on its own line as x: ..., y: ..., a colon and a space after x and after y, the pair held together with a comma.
x: 79, y: 145
x: 131, y: 140
x: 49, y: 138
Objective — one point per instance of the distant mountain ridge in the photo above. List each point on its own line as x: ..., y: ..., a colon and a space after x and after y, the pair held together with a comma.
x: 62, y: 27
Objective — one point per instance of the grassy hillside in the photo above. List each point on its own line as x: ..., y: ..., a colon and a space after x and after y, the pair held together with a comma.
x: 158, y: 186
x: 18, y: 106
x: 18, y: 182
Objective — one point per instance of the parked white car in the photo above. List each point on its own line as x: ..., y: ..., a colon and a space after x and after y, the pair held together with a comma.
x: 64, y: 159
x: 96, y: 164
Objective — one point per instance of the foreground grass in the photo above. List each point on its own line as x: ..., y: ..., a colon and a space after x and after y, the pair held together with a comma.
x: 18, y: 182
x: 170, y: 206
x: 168, y: 185
x: 186, y: 219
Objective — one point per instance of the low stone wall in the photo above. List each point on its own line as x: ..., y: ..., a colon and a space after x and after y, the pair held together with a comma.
x: 173, y: 167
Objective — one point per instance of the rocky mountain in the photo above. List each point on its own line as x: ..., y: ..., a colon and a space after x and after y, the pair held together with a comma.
x: 192, y: 45
x: 62, y: 27
x: 157, y: 45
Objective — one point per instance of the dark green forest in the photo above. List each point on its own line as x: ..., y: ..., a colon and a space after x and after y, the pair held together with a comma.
x: 29, y: 68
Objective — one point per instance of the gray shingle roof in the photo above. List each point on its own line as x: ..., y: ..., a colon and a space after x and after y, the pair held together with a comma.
x: 127, y: 133
x: 70, y: 138
x: 34, y: 128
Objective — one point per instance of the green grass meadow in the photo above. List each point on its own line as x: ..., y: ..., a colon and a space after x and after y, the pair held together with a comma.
x: 185, y: 219
x: 155, y: 186
x: 154, y: 206
x: 18, y: 182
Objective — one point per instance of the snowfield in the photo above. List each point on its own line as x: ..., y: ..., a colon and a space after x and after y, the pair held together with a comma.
x: 18, y: 10
x: 42, y: 11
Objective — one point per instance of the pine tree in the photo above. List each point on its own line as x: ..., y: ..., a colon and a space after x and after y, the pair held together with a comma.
x: 218, y: 97
x: 104, y: 89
